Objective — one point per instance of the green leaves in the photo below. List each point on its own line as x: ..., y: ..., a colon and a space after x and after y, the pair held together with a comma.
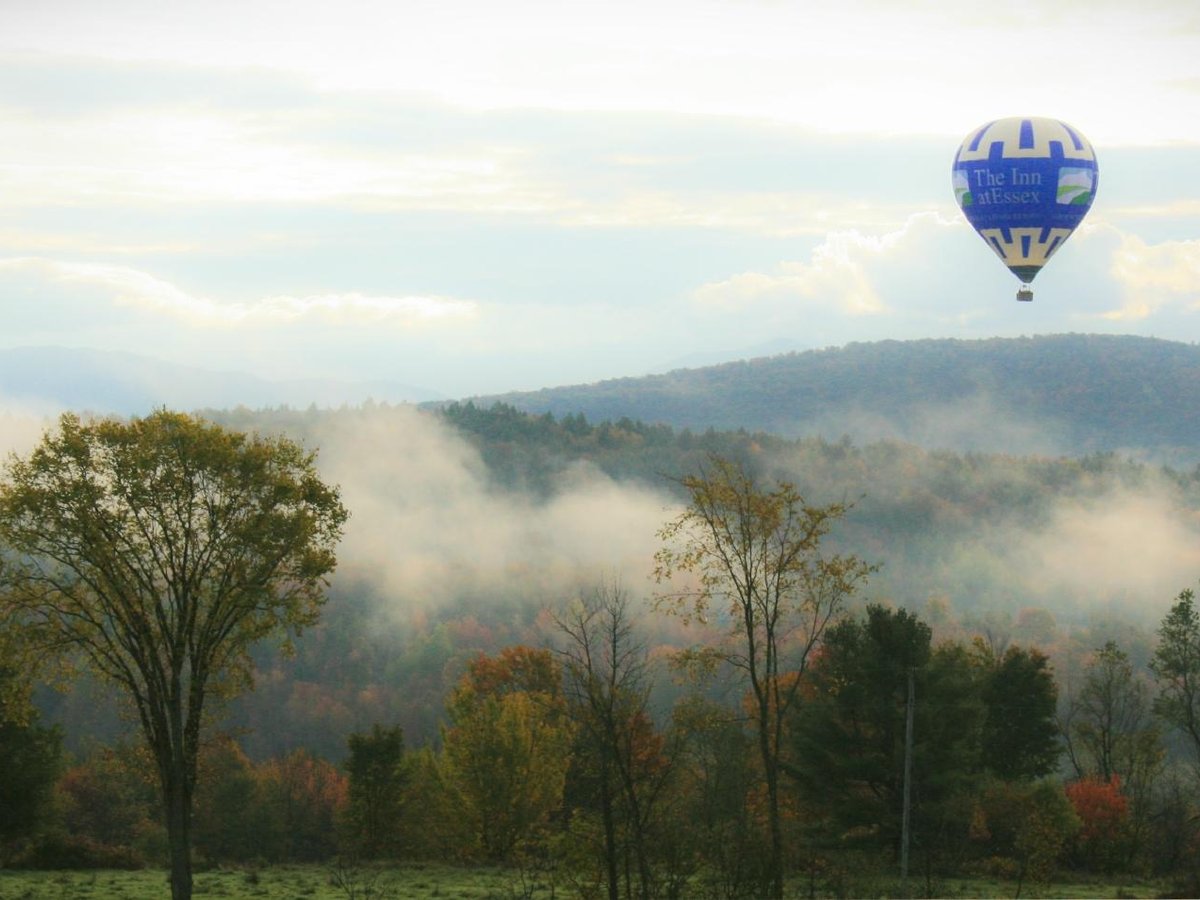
x: 165, y: 540
x: 1176, y: 668
x: 161, y: 549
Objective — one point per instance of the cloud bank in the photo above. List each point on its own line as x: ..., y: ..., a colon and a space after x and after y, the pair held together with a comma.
x: 429, y: 523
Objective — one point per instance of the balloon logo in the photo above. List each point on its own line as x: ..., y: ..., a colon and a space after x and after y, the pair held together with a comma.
x: 1025, y: 184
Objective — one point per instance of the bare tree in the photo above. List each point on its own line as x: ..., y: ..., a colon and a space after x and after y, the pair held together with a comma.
x: 608, y: 690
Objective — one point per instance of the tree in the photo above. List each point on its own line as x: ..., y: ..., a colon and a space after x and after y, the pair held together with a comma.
x: 1028, y: 822
x: 617, y: 746
x: 1112, y: 738
x: 1103, y: 813
x: 303, y: 798
x: 30, y: 764
x: 755, y: 555
x: 850, y: 736
x: 506, y: 752
x: 159, y: 550
x: 1176, y: 668
x: 378, y: 782
x: 230, y: 821
x: 108, y: 803
x: 1020, y: 734
x: 1110, y: 731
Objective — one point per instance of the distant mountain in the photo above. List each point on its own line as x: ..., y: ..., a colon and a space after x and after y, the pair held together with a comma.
x: 1041, y: 395
x: 54, y: 378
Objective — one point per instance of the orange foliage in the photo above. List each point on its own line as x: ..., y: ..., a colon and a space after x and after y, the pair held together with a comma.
x: 1103, y: 813
x: 514, y: 669
x: 1101, y: 807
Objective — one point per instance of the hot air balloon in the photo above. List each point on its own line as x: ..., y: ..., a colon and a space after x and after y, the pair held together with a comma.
x: 1024, y: 184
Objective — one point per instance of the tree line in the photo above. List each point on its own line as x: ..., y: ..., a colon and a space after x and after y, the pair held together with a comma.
x: 552, y: 762
x: 822, y: 738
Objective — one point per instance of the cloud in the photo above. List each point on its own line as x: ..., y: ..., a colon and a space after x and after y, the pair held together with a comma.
x: 934, y: 278
x: 1155, y: 276
x: 880, y: 68
x: 840, y: 276
x: 429, y: 522
x: 836, y: 274
x: 131, y: 287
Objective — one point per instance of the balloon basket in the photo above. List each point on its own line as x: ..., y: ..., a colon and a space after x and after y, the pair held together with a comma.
x: 1025, y: 294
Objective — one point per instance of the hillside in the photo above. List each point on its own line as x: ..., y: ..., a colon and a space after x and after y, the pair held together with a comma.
x: 1053, y: 395
x: 465, y: 524
x: 1062, y: 394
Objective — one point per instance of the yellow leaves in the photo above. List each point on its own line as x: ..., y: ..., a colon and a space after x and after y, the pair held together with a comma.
x: 505, y: 758
x: 753, y: 550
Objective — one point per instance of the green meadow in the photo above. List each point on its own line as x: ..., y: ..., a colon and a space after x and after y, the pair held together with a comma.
x: 481, y: 883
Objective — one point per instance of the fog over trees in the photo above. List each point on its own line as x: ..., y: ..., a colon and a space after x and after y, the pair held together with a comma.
x: 492, y: 625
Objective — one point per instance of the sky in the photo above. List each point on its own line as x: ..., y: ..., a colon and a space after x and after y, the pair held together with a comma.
x: 477, y: 197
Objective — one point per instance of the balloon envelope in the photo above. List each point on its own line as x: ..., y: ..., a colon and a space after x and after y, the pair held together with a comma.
x: 1024, y: 184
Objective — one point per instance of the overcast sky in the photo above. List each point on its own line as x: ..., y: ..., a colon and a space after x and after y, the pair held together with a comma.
x: 475, y: 196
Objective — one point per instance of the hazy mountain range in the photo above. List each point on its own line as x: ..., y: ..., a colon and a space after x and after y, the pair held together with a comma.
x: 1059, y: 394
x: 56, y: 378
x: 1042, y: 395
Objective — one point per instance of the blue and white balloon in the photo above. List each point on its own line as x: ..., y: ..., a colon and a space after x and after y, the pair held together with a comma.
x: 1025, y: 184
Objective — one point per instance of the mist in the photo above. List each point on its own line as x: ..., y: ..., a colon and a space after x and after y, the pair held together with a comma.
x: 1121, y: 554
x: 429, y: 522
x: 21, y: 427
x: 1004, y: 523
x: 975, y: 423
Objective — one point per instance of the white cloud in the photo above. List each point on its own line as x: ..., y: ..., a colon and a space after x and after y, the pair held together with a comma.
x: 934, y: 277
x: 840, y: 275
x: 863, y: 67
x: 581, y: 167
x: 131, y: 287
x: 1153, y: 277
x: 21, y: 426
x: 200, y: 156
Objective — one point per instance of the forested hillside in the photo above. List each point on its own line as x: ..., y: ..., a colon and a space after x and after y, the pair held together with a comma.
x: 1072, y: 394
x: 468, y: 523
x: 474, y: 534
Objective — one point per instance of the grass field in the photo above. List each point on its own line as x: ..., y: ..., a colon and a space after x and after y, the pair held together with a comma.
x: 436, y: 881
x: 275, y: 883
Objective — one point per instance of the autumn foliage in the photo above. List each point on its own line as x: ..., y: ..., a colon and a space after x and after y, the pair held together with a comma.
x: 1103, y: 813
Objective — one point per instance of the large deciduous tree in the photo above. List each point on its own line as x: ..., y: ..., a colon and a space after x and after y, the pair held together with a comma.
x: 158, y: 550
x: 1109, y: 727
x: 1112, y: 737
x: 751, y: 558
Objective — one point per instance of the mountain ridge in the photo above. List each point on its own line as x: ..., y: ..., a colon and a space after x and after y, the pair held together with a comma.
x: 1066, y: 393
